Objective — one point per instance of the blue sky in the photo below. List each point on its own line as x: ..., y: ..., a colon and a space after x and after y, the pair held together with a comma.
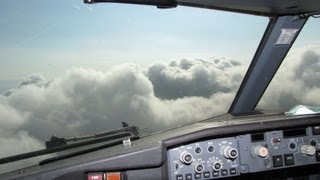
x: 48, y: 37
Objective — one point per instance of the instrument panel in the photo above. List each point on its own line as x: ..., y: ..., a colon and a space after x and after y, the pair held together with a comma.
x: 243, y: 154
x: 259, y: 147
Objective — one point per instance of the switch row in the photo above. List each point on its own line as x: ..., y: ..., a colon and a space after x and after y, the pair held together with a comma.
x: 105, y: 176
x: 223, y: 172
x: 278, y: 160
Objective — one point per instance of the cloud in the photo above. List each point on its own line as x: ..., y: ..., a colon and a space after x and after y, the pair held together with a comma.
x: 11, y: 119
x: 188, y: 78
x: 36, y: 79
x: 83, y: 101
x: 21, y: 142
x: 86, y: 101
x: 297, y: 81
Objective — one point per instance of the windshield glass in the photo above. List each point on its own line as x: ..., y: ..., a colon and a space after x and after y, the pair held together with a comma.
x: 70, y: 69
x: 297, y: 81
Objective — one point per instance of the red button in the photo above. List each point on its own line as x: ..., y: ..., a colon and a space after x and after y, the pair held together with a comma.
x: 95, y: 176
x: 113, y: 176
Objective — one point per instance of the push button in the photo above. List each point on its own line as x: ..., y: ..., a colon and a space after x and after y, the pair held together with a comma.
x: 288, y: 159
x: 224, y: 172
x: 233, y: 171
x: 197, y: 150
x: 95, y: 176
x: 318, y: 155
x: 267, y: 162
x: 197, y: 176
x: 215, y: 173
x: 113, y: 176
x: 206, y: 174
x: 179, y: 177
x: 188, y: 176
x: 313, y: 142
x: 316, y: 130
x: 277, y: 161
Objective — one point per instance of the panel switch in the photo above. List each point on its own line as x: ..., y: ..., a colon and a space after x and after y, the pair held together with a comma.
x: 307, y: 150
x: 179, y: 177
x: 277, y: 161
x: 188, y: 176
x: 316, y: 130
x: 113, y: 176
x: 318, y: 155
x: 260, y: 151
x: 206, y: 174
x: 288, y: 159
x: 95, y: 176
x: 233, y: 171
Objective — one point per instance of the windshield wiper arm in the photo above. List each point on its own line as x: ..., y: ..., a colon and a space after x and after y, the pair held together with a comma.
x: 159, y: 3
x: 84, y: 151
x: 55, y: 146
x: 56, y: 141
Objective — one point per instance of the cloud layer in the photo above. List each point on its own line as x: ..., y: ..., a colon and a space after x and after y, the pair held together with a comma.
x: 162, y: 95
x: 297, y: 81
x: 187, y: 78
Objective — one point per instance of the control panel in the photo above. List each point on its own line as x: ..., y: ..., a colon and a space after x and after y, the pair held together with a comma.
x: 248, y: 153
x: 205, y: 160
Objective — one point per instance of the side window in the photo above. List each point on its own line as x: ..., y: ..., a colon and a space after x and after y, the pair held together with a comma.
x: 297, y: 81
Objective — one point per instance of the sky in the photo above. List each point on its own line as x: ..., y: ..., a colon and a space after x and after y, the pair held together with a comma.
x: 72, y: 69
x: 49, y: 37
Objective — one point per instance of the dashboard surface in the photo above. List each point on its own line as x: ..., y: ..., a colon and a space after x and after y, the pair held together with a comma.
x: 226, y: 146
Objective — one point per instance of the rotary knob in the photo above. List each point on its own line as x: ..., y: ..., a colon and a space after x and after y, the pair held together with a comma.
x: 308, y: 150
x: 217, y: 166
x: 199, y: 168
x: 230, y: 152
x: 186, y: 158
x: 260, y: 151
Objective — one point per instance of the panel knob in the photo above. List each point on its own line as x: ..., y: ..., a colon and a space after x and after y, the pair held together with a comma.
x: 260, y: 151
x: 199, y: 168
x: 186, y: 158
x: 308, y: 150
x: 230, y: 152
x: 217, y: 166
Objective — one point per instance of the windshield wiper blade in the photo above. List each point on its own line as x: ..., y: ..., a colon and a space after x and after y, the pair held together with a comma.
x: 159, y: 3
x: 84, y: 151
x: 123, y: 133
x: 57, y: 141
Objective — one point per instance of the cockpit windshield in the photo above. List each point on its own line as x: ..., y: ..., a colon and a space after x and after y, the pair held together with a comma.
x: 297, y: 80
x: 69, y: 69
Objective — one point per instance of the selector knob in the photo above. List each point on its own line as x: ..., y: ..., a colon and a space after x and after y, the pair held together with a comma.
x: 260, y: 151
x: 308, y: 150
x: 199, y: 168
x: 230, y: 152
x: 216, y: 166
x: 186, y: 158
